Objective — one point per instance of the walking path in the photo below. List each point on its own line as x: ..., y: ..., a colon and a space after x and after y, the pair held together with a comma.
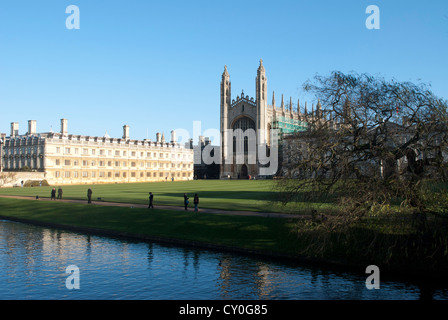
x: 202, y: 210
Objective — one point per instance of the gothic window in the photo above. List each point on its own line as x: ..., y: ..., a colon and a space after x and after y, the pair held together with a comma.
x: 234, y: 144
x: 269, y: 134
x: 242, y: 136
x: 244, y: 124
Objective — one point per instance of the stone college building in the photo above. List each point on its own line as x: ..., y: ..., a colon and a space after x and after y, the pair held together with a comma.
x: 66, y: 158
x: 243, y: 114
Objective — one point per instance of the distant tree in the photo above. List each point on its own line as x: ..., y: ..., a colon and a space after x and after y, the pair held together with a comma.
x: 7, y: 177
x: 371, y: 141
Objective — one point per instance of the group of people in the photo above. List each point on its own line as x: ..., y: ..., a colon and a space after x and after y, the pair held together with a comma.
x: 151, y: 198
x: 186, y: 201
x: 53, y: 194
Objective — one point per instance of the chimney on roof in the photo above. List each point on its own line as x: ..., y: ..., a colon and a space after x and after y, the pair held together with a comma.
x: 64, y: 129
x: 14, y: 129
x: 126, y: 132
x: 31, y: 127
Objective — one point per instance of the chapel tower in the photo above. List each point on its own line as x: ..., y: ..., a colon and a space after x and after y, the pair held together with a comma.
x: 261, y: 84
x: 224, y: 115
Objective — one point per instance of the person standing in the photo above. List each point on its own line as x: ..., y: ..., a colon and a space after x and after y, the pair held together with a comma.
x: 151, y: 197
x: 53, y: 194
x: 60, y: 193
x: 89, y: 195
x: 186, y: 201
x: 196, y: 202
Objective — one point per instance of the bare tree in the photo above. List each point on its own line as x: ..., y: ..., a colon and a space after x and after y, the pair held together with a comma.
x: 7, y: 177
x: 370, y: 142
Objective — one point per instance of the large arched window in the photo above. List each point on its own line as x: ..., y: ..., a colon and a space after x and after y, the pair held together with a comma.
x: 269, y: 134
x: 243, y: 124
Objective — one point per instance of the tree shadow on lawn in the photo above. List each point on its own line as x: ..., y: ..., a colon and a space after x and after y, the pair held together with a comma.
x: 269, y: 201
x: 248, y: 195
x: 237, y: 195
x: 273, y: 196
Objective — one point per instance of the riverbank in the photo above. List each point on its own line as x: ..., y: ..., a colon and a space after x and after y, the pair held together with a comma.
x: 263, y: 235
x: 260, y: 233
x: 266, y: 235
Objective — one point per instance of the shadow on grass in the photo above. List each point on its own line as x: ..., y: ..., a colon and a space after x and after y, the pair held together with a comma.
x: 230, y: 195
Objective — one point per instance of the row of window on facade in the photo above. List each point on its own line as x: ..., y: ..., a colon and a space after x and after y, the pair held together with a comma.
x: 101, y: 163
x: 124, y: 153
x: 17, y: 163
x: 23, y: 150
x: 102, y: 152
x: 124, y: 174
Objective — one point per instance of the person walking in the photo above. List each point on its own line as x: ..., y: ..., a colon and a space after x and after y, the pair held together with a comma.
x: 89, y: 195
x: 60, y: 193
x: 53, y: 194
x: 196, y: 202
x: 186, y: 201
x: 151, y: 197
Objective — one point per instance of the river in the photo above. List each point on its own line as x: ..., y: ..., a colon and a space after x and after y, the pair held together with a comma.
x: 34, y: 261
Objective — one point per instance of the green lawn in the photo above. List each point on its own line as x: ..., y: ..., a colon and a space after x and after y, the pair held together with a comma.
x: 249, y: 195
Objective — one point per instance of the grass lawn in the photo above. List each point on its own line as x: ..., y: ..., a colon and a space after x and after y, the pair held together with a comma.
x: 249, y: 195
x: 254, y: 233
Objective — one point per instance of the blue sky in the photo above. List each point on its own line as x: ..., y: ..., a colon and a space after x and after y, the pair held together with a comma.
x: 157, y: 65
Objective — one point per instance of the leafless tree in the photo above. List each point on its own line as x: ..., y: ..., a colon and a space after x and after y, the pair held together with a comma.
x: 371, y: 141
x: 7, y: 177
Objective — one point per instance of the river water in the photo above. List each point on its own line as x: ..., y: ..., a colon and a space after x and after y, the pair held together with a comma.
x: 33, y: 263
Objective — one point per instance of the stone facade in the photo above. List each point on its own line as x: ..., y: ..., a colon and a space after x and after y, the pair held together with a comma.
x: 203, y: 170
x: 2, y: 142
x: 75, y: 159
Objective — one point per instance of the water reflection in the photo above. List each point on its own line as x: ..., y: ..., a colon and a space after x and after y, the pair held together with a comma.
x: 33, y: 262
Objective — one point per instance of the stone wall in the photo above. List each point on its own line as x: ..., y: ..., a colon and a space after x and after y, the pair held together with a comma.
x: 14, y: 179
